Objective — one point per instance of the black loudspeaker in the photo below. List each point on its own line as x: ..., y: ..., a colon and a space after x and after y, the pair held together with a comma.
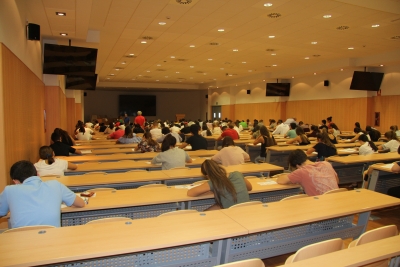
x: 33, y: 32
x: 84, y: 94
x: 248, y: 92
x: 206, y: 96
x: 326, y: 83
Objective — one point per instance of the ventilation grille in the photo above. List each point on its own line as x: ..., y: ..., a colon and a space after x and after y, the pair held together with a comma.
x: 181, y: 59
x: 342, y: 28
x: 147, y: 38
x: 160, y: 69
x: 214, y: 43
x: 184, y: 2
x: 396, y: 37
x: 270, y: 50
x: 274, y: 15
x: 130, y: 56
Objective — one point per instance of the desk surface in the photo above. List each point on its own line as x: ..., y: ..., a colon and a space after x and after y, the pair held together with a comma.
x: 93, y: 240
x: 104, y: 146
x: 356, y: 256
x: 368, y: 158
x: 274, y: 215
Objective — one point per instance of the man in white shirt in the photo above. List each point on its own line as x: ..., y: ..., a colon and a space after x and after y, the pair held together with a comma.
x: 281, y: 129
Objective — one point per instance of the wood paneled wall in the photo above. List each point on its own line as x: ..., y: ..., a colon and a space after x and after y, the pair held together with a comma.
x: 22, y: 109
x: 389, y: 108
x: 265, y: 111
x: 71, y: 116
x: 55, y: 103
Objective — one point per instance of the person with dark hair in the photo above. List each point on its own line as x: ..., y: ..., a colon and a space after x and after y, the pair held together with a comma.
x: 315, y: 178
x: 155, y: 130
x: 266, y: 140
x: 61, y: 149
x: 34, y: 202
x: 230, y: 154
x: 48, y: 165
x: 292, y: 130
x: 166, y: 131
x: 110, y: 129
x: 83, y: 135
x: 358, y: 133
x: 329, y: 122
x: 129, y: 137
x: 281, y: 128
x: 395, y: 129
x: 393, y: 142
x: 331, y: 136
x: 334, y: 129
x: 171, y: 156
x: 65, y: 137
x: 314, y: 131
x: 137, y: 129
x: 205, y: 131
x: 301, y: 138
x: 228, y: 131
x: 324, y: 147
x: 323, y: 125
x: 357, y: 125
x: 367, y: 147
x: 117, y: 134
x: 272, y: 124
x: 196, y: 141
x: 396, y: 165
x: 148, y: 144
x: 228, y: 189
x: 102, y: 127
x: 373, y: 133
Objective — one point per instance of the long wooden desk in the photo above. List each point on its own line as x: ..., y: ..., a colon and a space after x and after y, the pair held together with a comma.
x: 123, y: 166
x: 382, y: 178
x: 133, y: 156
x: 357, y: 256
x: 277, y: 228
x: 104, y: 146
x: 150, y: 202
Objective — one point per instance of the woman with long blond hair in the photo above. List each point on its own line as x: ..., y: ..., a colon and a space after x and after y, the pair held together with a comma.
x: 229, y: 189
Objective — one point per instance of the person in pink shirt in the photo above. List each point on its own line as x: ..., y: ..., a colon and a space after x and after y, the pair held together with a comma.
x: 117, y: 134
x: 316, y: 178
x: 229, y: 131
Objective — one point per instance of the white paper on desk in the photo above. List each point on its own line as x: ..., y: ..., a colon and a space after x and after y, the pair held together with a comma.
x: 78, y: 195
x: 186, y: 186
x: 387, y: 166
x: 267, y: 183
x: 315, y: 153
x: 86, y: 151
x: 159, y: 164
x: 348, y: 150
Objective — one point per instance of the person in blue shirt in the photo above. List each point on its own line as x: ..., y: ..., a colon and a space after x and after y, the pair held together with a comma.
x: 32, y: 201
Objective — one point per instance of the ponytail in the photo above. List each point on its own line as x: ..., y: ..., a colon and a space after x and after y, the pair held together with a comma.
x: 46, y: 153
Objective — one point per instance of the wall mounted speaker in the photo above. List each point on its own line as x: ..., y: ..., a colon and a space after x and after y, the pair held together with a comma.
x: 248, y: 92
x: 206, y: 96
x: 33, y: 32
x: 84, y: 94
x: 326, y: 83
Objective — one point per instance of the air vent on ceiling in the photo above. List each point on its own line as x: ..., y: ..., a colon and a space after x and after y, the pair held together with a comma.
x: 214, y: 43
x: 184, y: 2
x: 270, y: 50
x: 131, y: 56
x: 199, y: 71
x: 342, y: 28
x: 147, y: 38
x: 396, y: 37
x: 160, y: 69
x: 316, y: 55
x: 181, y: 59
x: 274, y: 15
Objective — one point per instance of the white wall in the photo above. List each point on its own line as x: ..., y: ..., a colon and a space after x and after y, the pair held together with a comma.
x: 191, y: 103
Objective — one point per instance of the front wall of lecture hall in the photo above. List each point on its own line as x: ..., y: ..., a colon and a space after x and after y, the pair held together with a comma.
x: 27, y: 93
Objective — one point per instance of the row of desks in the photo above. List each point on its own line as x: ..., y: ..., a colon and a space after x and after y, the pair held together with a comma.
x: 206, y: 238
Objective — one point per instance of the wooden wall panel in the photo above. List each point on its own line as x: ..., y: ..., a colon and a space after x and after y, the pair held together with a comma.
x: 264, y: 111
x: 71, y: 117
x: 389, y: 107
x: 55, y: 103
x: 78, y: 112
x: 228, y: 111
x: 345, y: 111
x: 23, y: 107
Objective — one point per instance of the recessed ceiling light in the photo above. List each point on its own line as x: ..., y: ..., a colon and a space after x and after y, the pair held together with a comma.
x: 249, y: 82
x: 221, y: 30
x: 271, y: 36
x: 177, y: 72
x: 341, y: 69
x: 375, y: 26
x: 221, y: 68
x: 204, y: 73
x: 131, y: 54
x: 306, y: 58
x: 250, y: 70
x: 140, y: 75
x: 314, y: 42
x: 191, y: 67
x: 214, y: 79
x: 381, y: 65
x: 108, y: 78
x: 147, y: 71
x: 191, y: 46
x: 350, y: 48
x: 61, y: 14
x: 274, y: 65
x: 292, y: 77
x: 112, y: 74
x: 123, y: 62
x: 273, y: 54
x: 172, y: 56
x: 327, y: 16
x: 64, y: 34
x: 267, y: 4
x: 315, y: 73
x: 162, y: 23
x: 235, y: 50
x: 143, y: 42
x: 158, y: 65
x: 117, y: 69
x: 210, y: 59
x: 244, y: 62
x: 157, y: 80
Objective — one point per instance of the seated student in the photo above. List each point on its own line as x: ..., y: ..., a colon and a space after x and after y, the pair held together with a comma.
x: 316, y: 178
x: 117, y: 134
x: 110, y: 129
x: 266, y: 140
x: 61, y: 149
x: 196, y: 141
x: 358, y: 132
x: 324, y: 147
x: 373, y: 133
x: 292, y: 131
x: 155, y: 131
x: 392, y: 144
x: 205, y: 131
x: 102, y: 127
x: 171, y: 156
x: 48, y: 165
x: 33, y: 202
x: 323, y: 125
x: 281, y: 128
x: 148, y: 144
x: 329, y: 122
x: 357, y: 125
x: 301, y: 138
x: 229, y: 131
x: 331, y: 135
x: 83, y: 135
x: 229, y: 189
x: 237, y: 127
x: 244, y: 124
x: 314, y: 131
x: 395, y: 129
x: 216, y: 129
x: 272, y: 124
x: 396, y: 165
x: 367, y: 147
x: 86, y: 128
x: 65, y: 137
x: 230, y: 154
x: 129, y: 137
x: 335, y: 129
x: 165, y: 131
x: 138, y: 129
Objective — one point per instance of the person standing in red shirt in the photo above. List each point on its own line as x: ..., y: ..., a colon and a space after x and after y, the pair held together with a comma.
x: 229, y: 131
x: 140, y: 119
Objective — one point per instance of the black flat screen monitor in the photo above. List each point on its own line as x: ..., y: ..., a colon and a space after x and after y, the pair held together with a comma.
x: 131, y: 104
x: 69, y: 60
x: 80, y: 82
x: 369, y: 81
x: 278, y: 89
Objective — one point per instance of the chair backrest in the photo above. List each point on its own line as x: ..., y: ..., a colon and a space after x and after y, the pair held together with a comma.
x: 294, y: 197
x: 27, y: 228
x: 91, y: 173
x: 249, y: 203
x: 376, y: 234
x: 244, y: 263
x: 176, y: 212
x: 336, y: 191
x: 102, y: 189
x: 112, y: 219
x: 316, y: 249
x: 152, y: 185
